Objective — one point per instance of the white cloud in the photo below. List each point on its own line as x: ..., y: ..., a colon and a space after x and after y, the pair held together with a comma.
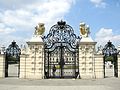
x: 23, y: 16
x: 104, y: 35
x: 6, y: 30
x: 99, y: 3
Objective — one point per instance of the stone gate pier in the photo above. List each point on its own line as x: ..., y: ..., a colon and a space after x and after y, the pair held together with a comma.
x: 32, y: 59
x: 90, y: 63
x: 86, y: 58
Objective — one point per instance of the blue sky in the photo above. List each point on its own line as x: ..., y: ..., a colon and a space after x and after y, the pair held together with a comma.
x: 19, y: 17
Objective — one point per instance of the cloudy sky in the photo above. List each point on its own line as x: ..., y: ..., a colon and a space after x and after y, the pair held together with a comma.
x: 19, y: 17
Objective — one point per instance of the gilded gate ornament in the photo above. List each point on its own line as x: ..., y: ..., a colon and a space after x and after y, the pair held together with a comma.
x: 84, y: 29
x: 39, y: 29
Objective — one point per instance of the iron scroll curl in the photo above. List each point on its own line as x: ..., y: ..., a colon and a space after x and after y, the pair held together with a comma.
x: 109, y: 49
x: 61, y: 33
x: 13, y: 50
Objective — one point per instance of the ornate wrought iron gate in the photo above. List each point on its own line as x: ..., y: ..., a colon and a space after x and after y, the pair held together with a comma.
x: 12, y: 57
x: 110, y: 51
x: 61, y: 52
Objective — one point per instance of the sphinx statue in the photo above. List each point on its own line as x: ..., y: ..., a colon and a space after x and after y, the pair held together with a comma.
x: 39, y: 29
x: 84, y: 30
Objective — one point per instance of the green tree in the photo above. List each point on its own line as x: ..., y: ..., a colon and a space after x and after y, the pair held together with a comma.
x: 109, y: 58
x: 12, y: 60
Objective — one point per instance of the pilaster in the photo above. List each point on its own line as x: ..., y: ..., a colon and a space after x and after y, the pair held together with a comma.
x: 2, y: 65
x: 99, y: 66
x: 119, y: 65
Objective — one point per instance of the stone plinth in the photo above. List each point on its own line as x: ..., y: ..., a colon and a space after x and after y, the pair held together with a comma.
x: 2, y: 65
x: 32, y: 62
x: 86, y: 58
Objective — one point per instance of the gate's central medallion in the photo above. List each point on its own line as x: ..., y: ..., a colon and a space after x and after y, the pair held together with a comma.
x: 61, y: 52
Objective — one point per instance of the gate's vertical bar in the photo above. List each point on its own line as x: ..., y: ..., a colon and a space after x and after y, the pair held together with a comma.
x: 74, y: 67
x: 45, y: 74
x: 48, y: 64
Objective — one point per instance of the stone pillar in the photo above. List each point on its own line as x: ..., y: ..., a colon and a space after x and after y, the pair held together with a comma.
x: 86, y: 58
x: 119, y: 65
x: 32, y: 62
x: 2, y: 65
x: 99, y: 66
x: 23, y: 65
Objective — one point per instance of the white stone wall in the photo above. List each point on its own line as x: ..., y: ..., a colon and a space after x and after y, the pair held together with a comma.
x: 32, y: 63
x: 99, y: 66
x: 86, y: 60
x: 23, y: 64
x: 2, y: 65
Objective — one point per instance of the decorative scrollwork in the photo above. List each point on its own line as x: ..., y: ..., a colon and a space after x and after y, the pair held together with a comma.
x: 13, y: 50
x: 109, y: 49
x: 61, y: 33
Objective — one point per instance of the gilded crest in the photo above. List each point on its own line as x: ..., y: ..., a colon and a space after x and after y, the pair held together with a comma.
x: 39, y: 29
x: 84, y: 30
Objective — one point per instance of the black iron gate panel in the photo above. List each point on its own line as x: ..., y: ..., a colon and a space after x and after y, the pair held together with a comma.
x: 12, y: 57
x: 110, y: 51
x: 61, y: 52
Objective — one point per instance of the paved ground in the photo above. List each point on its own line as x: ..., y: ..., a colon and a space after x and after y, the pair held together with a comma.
x: 60, y: 84
x: 12, y: 83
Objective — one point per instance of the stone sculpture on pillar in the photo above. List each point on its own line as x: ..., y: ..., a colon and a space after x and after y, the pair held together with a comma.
x: 39, y: 29
x: 84, y: 29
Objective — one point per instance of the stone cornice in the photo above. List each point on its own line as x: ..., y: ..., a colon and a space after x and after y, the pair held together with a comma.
x: 35, y: 43
x: 87, y: 43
